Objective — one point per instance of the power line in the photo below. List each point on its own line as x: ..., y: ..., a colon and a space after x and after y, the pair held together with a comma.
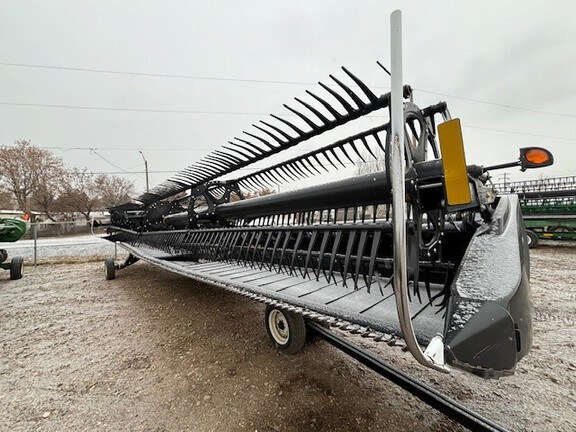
x: 93, y: 108
x: 261, y: 81
x: 144, y: 74
x: 498, y: 104
x: 254, y: 114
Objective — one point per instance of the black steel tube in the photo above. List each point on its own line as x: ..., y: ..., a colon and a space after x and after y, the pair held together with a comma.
x: 356, y: 191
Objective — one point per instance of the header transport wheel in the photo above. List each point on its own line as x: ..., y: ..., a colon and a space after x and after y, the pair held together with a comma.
x: 16, y: 266
x: 286, y: 330
x: 110, y: 268
x: 532, y: 238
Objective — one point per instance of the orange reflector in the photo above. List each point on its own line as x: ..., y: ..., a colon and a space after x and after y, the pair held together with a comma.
x: 454, y: 163
x: 537, y: 156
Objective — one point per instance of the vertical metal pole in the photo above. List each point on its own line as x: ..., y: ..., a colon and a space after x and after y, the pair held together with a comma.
x: 35, y: 237
x: 145, y: 169
x: 397, y: 167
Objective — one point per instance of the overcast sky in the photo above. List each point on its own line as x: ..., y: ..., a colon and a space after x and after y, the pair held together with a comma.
x: 250, y: 57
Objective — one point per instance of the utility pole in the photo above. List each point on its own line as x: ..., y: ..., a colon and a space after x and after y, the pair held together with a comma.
x: 145, y: 169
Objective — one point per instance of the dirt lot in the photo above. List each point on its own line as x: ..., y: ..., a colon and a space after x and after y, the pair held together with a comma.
x: 153, y: 351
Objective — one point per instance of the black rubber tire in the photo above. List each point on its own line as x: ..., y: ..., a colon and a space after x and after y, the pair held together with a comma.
x: 110, y: 268
x: 16, y: 266
x: 532, y: 239
x: 286, y: 330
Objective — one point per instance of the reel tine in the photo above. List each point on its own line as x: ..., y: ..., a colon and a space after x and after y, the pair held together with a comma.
x: 267, y: 132
x: 336, y: 156
x: 326, y: 105
x: 259, y: 150
x: 287, y: 123
x: 356, y: 151
x: 309, y: 122
x: 368, y: 147
x: 373, y: 98
x: 262, y: 140
x: 350, y: 93
x: 234, y: 149
x: 317, y: 113
x: 339, y: 98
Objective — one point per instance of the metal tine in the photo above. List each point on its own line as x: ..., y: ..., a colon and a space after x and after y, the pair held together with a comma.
x: 231, y: 156
x: 309, y: 251
x: 249, y: 150
x: 267, y: 179
x: 193, y: 170
x: 287, y: 123
x: 319, y: 163
x: 296, y: 166
x: 250, y: 183
x: 349, y: 245
x: 341, y: 147
x: 238, y: 243
x: 361, y: 104
x: 262, y: 140
x: 275, y: 247
x: 256, y: 247
x: 317, y: 113
x: 279, y: 173
x: 311, y: 165
x: 287, y: 172
x: 324, y: 153
x: 417, y: 290
x: 325, y: 237
x: 336, y: 156
x: 222, y: 157
x: 377, y: 138
x: 247, y: 156
x: 268, y: 240
x: 295, y: 254
x: 368, y: 147
x: 271, y: 176
x: 218, y: 161
x: 427, y: 286
x: 252, y: 235
x: 302, y: 166
x: 373, y: 98
x: 259, y: 150
x: 309, y: 122
x: 284, y: 245
x: 267, y: 132
x: 339, y: 98
x: 258, y: 182
x: 326, y: 105
x: 207, y: 169
x: 295, y: 171
x: 359, y: 254
x: 356, y: 150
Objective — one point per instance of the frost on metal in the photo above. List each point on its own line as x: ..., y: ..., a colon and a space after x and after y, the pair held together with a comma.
x: 490, y: 276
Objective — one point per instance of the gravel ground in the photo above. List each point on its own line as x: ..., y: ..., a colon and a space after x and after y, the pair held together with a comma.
x: 153, y: 351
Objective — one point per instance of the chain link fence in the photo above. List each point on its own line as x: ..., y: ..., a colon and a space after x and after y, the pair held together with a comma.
x: 61, y: 242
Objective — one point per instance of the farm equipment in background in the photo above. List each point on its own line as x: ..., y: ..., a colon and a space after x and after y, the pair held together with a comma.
x: 10, y: 231
x: 548, y: 207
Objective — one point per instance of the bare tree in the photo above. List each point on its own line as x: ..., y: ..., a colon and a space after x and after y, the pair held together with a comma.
x: 24, y: 168
x: 80, y: 192
x: 113, y: 190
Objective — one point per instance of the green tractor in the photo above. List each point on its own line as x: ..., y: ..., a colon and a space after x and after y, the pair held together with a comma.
x: 10, y: 231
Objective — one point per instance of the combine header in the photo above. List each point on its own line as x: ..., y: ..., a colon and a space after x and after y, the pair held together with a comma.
x: 548, y: 206
x: 424, y: 250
